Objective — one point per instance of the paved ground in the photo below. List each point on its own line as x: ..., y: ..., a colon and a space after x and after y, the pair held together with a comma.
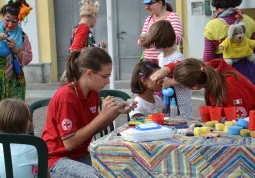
x: 40, y: 91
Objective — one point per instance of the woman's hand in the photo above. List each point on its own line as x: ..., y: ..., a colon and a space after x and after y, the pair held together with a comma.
x: 160, y: 74
x: 103, y: 44
x: 142, y: 37
x: 3, y: 36
x: 127, y: 106
x: 12, y: 44
x: 169, y: 82
x: 109, y: 107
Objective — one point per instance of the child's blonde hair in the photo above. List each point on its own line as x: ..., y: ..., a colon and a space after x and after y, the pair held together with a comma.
x: 89, y: 8
x: 14, y: 116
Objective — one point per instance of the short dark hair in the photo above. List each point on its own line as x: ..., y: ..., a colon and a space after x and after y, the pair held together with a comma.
x: 167, y: 5
x: 226, y: 3
x: 14, y: 116
x: 143, y: 69
x: 13, y: 8
x: 89, y: 58
x: 161, y: 34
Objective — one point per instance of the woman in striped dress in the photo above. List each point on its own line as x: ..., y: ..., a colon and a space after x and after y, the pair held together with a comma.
x: 217, y: 30
x: 159, y: 10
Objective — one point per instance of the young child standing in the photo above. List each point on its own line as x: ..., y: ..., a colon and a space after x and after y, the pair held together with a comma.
x: 14, y: 119
x: 161, y: 35
x: 142, y: 85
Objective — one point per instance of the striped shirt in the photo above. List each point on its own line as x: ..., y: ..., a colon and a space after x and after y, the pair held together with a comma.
x: 211, y: 46
x: 152, y: 53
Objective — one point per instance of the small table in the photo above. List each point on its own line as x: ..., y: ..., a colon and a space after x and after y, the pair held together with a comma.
x: 181, y: 156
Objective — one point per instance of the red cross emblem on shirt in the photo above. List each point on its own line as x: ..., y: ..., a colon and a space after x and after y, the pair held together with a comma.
x: 67, y: 124
x: 241, y: 112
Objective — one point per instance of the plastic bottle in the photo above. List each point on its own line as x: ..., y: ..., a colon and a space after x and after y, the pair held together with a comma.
x: 173, y: 109
x: 167, y: 93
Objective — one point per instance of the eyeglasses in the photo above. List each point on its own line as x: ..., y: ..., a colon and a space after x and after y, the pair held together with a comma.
x: 103, y: 76
x: 150, y: 3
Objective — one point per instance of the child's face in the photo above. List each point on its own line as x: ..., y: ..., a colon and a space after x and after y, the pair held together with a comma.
x: 156, y: 87
x: 99, y: 79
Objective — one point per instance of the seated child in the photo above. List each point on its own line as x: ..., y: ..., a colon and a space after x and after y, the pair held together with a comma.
x: 14, y: 119
x: 161, y: 34
x: 142, y: 85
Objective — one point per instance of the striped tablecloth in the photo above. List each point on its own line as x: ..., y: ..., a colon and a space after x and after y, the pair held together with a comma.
x: 226, y: 156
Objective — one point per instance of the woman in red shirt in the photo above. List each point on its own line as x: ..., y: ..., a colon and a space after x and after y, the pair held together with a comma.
x: 224, y: 86
x: 73, y: 116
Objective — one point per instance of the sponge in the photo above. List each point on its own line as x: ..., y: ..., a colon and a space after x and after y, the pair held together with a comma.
x: 197, y: 131
x: 243, y: 123
x: 234, y: 130
x: 201, y: 130
x: 211, y: 123
x: 229, y: 123
x: 245, y: 133
x: 219, y: 126
x: 252, y: 133
x: 226, y: 129
x: 204, y: 130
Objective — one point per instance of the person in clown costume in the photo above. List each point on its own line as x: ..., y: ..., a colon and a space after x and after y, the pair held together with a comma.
x: 227, y: 13
x: 15, y: 49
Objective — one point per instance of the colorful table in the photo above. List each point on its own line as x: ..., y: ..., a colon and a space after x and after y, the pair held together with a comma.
x: 226, y: 156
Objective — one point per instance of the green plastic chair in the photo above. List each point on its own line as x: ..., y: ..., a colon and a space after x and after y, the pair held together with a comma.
x: 117, y: 94
x: 38, y: 143
x: 36, y: 105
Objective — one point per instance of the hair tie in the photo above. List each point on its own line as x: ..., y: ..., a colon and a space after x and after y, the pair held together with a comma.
x: 142, y: 75
x: 202, y: 69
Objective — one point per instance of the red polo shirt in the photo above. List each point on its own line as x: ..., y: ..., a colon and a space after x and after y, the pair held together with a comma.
x: 240, y: 91
x: 69, y: 110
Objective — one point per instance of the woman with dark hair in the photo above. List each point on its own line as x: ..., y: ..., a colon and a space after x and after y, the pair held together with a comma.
x: 217, y: 30
x: 159, y: 10
x: 15, y: 50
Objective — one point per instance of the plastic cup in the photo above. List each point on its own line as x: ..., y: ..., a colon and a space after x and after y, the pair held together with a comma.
x: 150, y: 117
x: 252, y: 120
x: 205, y: 113
x: 158, y: 118
x: 230, y: 113
x: 215, y: 114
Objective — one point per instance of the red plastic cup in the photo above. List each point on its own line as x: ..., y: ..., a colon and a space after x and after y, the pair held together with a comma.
x: 158, y: 118
x: 205, y: 113
x: 215, y: 114
x: 230, y: 113
x: 252, y: 120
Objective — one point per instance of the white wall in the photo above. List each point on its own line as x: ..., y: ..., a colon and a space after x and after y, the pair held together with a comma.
x: 30, y: 28
x: 196, y: 25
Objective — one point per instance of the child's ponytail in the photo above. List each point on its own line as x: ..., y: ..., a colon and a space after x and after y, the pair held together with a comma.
x: 193, y: 73
x: 72, y: 71
x: 215, y: 86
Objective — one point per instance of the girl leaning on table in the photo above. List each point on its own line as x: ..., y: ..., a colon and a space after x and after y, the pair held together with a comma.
x: 73, y: 116
x: 161, y: 36
x: 224, y: 86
